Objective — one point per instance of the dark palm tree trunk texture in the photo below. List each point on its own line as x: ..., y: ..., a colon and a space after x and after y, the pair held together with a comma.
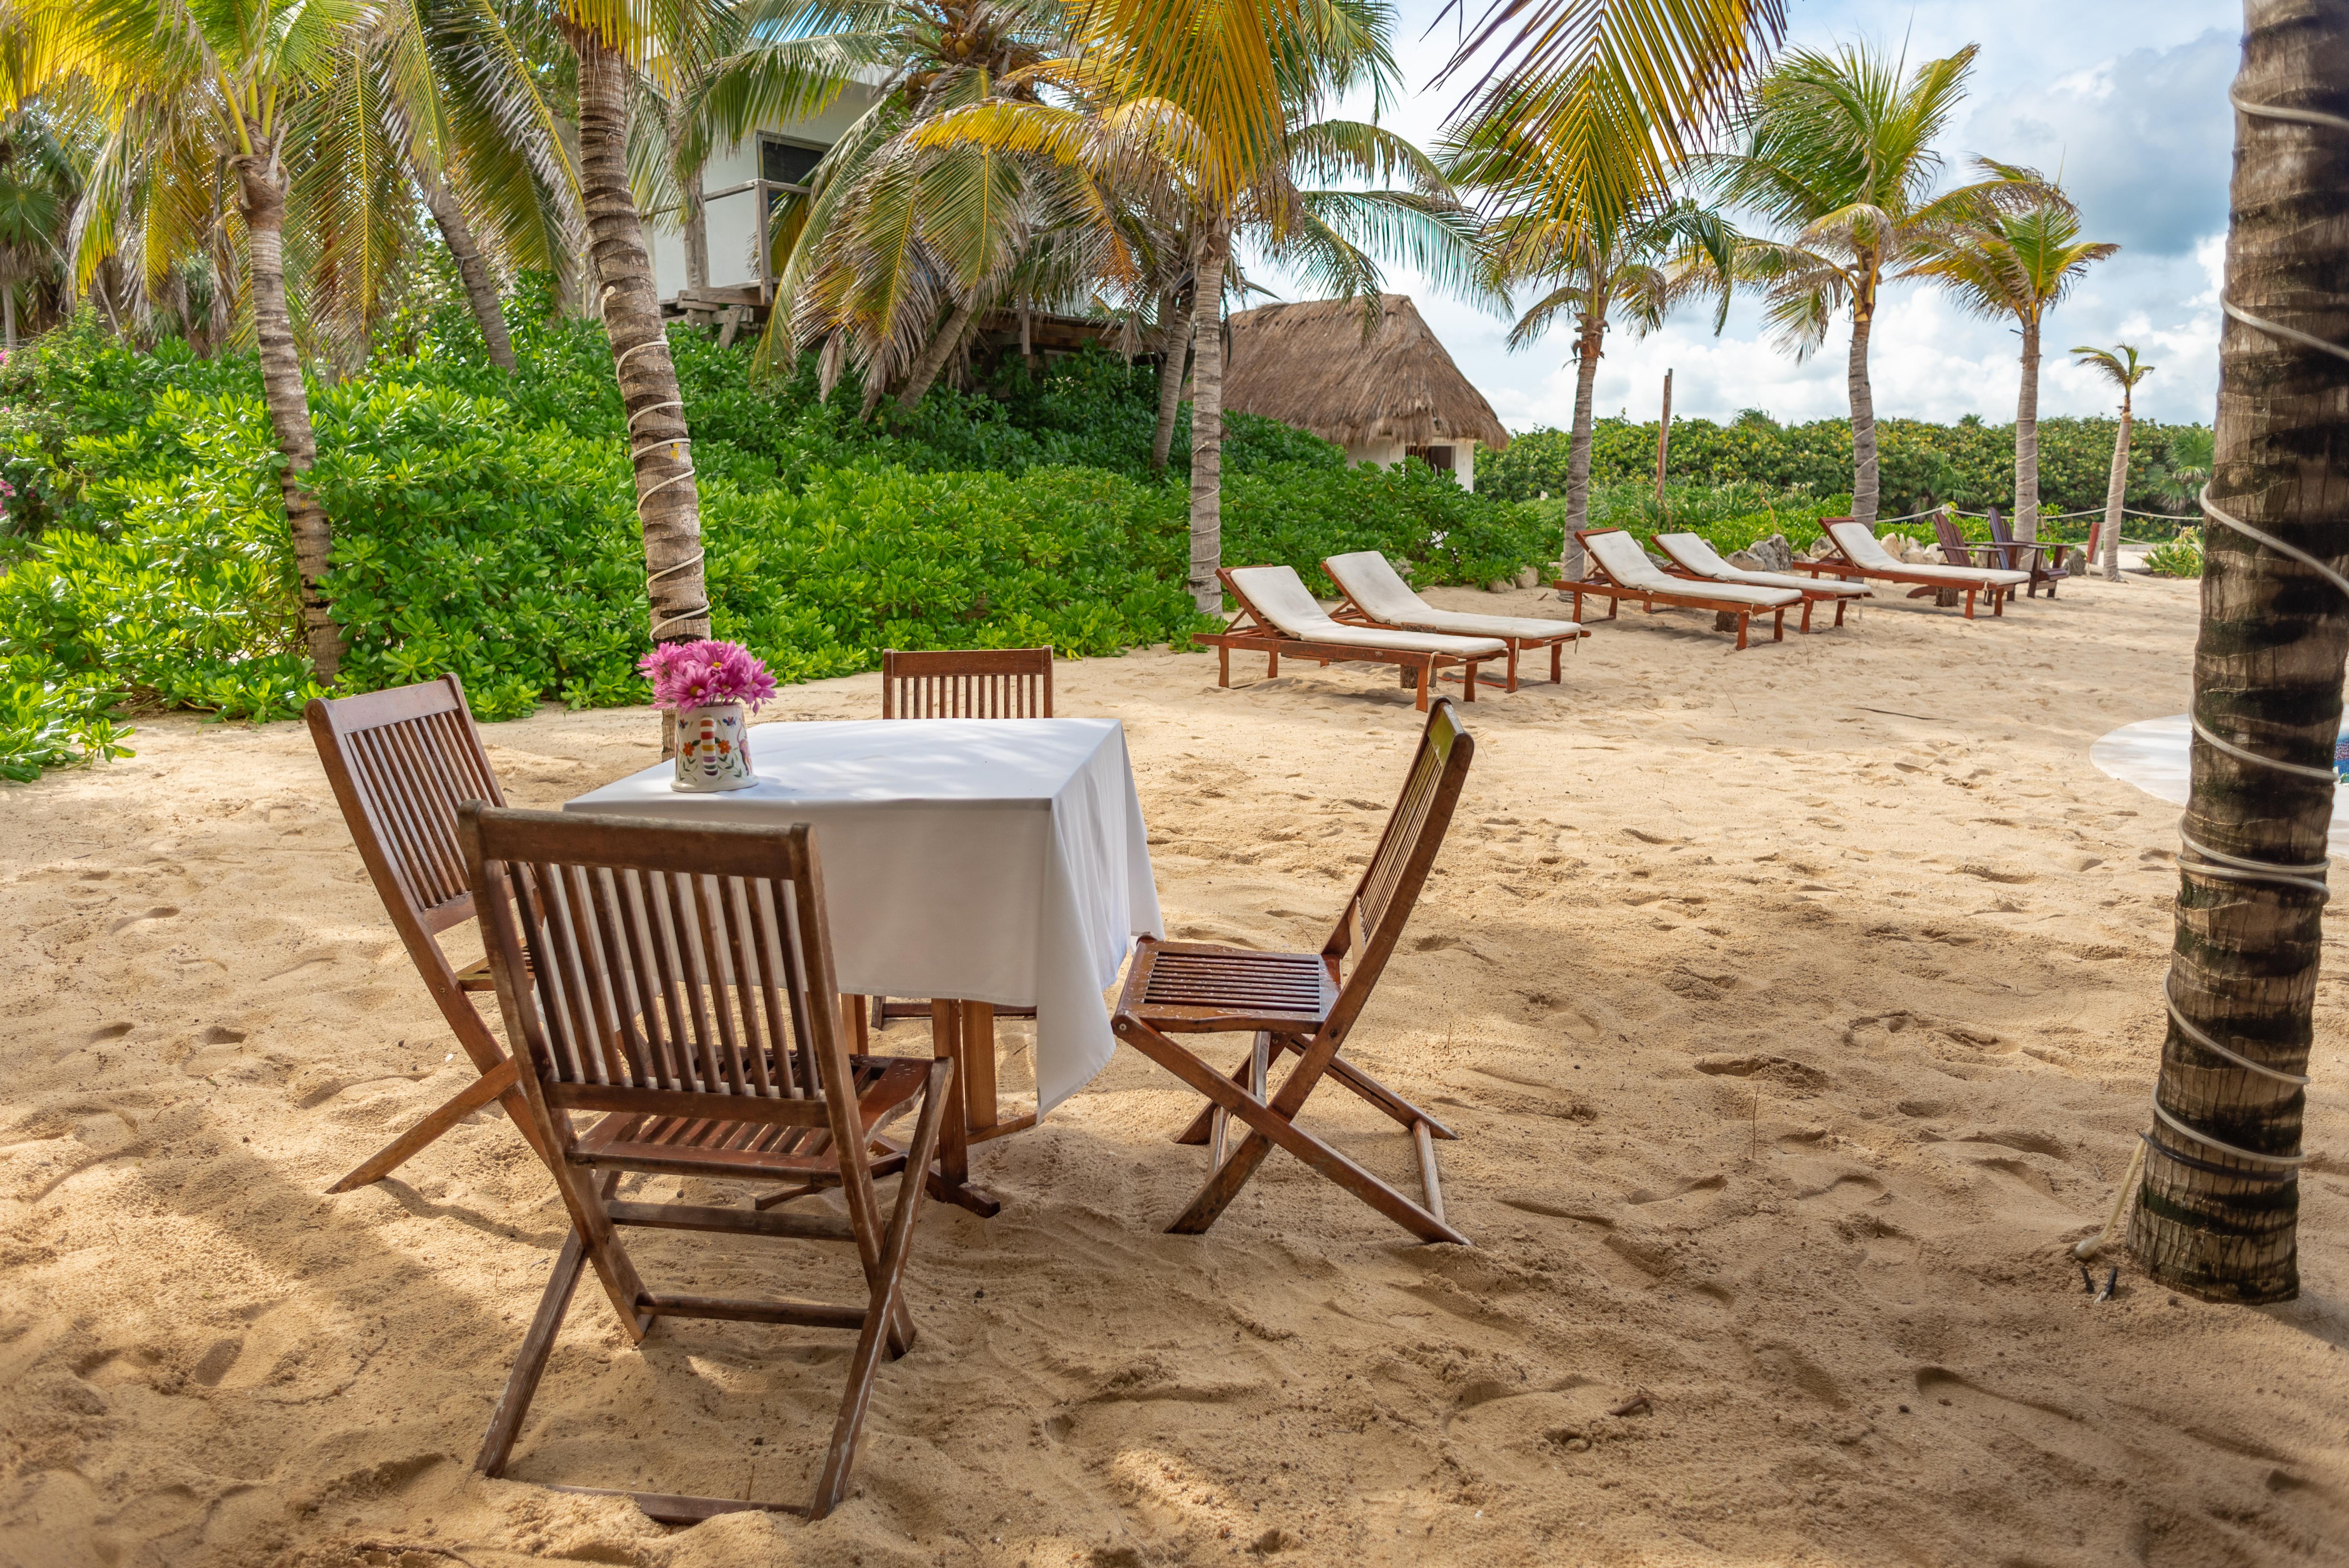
x: 1207, y: 420
x: 669, y: 507
x: 1175, y: 333
x: 261, y: 186
x: 2108, y: 544
x: 1863, y: 399
x: 2027, y: 437
x: 2211, y: 1222
x: 1587, y: 344
x: 472, y: 268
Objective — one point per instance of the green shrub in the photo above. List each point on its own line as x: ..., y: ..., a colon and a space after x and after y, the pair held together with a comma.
x: 2180, y: 557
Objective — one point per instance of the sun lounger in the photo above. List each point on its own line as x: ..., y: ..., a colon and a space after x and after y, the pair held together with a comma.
x: 1698, y: 560
x: 1376, y: 595
x: 1863, y: 557
x: 1278, y: 616
x: 1624, y: 572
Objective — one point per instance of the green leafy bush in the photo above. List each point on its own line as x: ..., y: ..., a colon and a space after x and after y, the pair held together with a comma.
x: 2180, y: 557
x: 485, y: 524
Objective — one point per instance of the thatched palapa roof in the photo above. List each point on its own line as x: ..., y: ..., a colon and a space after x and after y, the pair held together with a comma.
x: 1309, y: 366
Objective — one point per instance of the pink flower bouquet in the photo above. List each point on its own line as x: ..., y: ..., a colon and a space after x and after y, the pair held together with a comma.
x: 700, y: 675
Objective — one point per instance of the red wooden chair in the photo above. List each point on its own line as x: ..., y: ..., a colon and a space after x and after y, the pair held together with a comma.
x: 679, y: 979
x: 1305, y: 1004
x: 400, y: 762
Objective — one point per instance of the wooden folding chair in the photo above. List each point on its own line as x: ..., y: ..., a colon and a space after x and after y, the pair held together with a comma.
x: 968, y: 683
x: 974, y: 683
x: 400, y: 761
x: 679, y: 979
x: 1304, y: 1003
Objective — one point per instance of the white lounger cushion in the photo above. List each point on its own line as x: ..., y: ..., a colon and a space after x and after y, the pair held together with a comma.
x: 1281, y: 597
x: 1692, y: 551
x: 1383, y: 595
x: 1869, y: 555
x: 1620, y: 555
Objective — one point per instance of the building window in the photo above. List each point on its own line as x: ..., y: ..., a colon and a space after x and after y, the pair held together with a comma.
x: 1437, y: 458
x: 788, y: 162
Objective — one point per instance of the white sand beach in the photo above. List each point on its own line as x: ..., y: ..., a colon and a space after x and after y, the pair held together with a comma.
x: 1797, y: 1009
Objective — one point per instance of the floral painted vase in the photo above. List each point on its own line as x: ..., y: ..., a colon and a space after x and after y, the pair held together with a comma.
x: 713, y: 751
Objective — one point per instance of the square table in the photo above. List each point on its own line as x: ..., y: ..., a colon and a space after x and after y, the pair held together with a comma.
x: 979, y: 862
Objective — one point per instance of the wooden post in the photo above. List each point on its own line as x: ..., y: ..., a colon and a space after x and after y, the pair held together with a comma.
x: 1664, y: 445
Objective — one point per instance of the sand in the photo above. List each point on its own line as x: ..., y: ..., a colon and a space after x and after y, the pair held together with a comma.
x: 1796, y: 1007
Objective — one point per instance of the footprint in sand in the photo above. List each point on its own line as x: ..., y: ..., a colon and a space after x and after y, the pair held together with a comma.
x: 161, y: 912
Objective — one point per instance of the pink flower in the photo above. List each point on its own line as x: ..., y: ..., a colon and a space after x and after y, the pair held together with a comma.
x: 699, y: 674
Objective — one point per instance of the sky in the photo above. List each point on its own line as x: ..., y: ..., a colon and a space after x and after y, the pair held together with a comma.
x: 2126, y: 103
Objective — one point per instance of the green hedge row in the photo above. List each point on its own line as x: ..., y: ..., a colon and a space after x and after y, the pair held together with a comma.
x: 485, y: 524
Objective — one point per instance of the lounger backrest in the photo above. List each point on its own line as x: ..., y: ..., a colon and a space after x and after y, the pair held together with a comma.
x: 1372, y: 922
x: 1375, y: 585
x: 968, y: 682
x: 399, y: 761
x: 1279, y: 595
x: 1953, y: 543
x: 1621, y: 557
x: 1857, y: 543
x: 679, y: 969
x: 1692, y: 551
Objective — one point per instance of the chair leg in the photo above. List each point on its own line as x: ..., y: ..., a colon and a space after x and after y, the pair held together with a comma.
x: 888, y: 1292
x: 530, y: 1364
x: 495, y: 1084
x: 1511, y: 685
x: 1743, y: 617
x: 1839, y: 604
x: 1557, y: 669
x: 1778, y: 622
x: 1807, y: 615
x: 1269, y: 1126
x: 1223, y: 665
x: 1202, y: 1126
x: 1425, y: 1144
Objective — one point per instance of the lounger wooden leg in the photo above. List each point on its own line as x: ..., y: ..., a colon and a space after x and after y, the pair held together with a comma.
x: 1271, y: 662
x: 1840, y: 601
x: 1557, y: 669
x: 1970, y: 603
x: 1427, y: 680
x: 1807, y: 616
x: 1778, y: 623
x: 1512, y: 683
x: 498, y: 1082
x: 1467, y: 684
x: 1743, y: 617
x: 1224, y: 666
x: 897, y: 1247
x: 1998, y: 601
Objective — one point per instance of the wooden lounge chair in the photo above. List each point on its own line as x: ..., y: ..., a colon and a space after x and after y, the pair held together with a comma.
x: 2027, y: 555
x: 1695, y: 558
x: 1304, y: 1003
x: 683, y: 985
x: 1375, y: 595
x: 400, y: 762
x: 977, y: 683
x: 1955, y: 548
x: 1858, y: 554
x: 1279, y: 615
x: 968, y: 683
x: 1624, y: 572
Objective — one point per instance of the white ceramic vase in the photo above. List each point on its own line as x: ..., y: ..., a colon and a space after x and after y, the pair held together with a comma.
x: 713, y: 749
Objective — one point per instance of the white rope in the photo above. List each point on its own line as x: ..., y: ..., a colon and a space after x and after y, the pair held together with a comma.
x: 621, y: 364
x: 655, y: 409
x: 695, y: 559
x: 2193, y: 1033
x: 2277, y: 329
x: 2287, y: 1162
x: 2231, y: 749
x: 2272, y: 542
x: 2276, y: 111
x: 670, y: 442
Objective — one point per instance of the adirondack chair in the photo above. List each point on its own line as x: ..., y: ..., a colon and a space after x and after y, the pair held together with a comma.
x: 679, y: 979
x: 400, y: 762
x: 1304, y: 1004
x: 2027, y: 555
x: 1955, y: 548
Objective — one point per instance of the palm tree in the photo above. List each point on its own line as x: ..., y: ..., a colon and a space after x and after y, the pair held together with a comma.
x: 189, y: 98
x: 2185, y: 468
x: 609, y: 41
x: 1837, y: 154
x: 2019, y: 265
x: 38, y: 186
x: 2118, y: 365
x: 1596, y: 259
x: 2219, y: 1207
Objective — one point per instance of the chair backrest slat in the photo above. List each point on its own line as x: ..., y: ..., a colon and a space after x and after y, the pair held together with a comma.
x: 666, y: 959
x: 981, y: 683
x: 1953, y: 543
x: 1373, y: 919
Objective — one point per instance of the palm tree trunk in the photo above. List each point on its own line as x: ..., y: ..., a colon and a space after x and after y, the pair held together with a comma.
x: 1207, y: 419
x: 1175, y: 328
x: 2219, y: 1208
x: 2115, y: 497
x: 2026, y: 439
x: 472, y: 270
x: 697, y: 232
x: 934, y: 355
x: 1863, y: 406
x: 261, y: 186
x: 1578, y: 461
x: 8, y: 317
x: 668, y: 506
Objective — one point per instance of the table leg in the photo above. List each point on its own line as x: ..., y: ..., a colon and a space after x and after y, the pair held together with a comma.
x: 982, y: 1109
x: 951, y: 1181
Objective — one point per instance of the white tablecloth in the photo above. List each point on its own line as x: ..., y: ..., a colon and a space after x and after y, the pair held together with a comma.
x: 994, y: 860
